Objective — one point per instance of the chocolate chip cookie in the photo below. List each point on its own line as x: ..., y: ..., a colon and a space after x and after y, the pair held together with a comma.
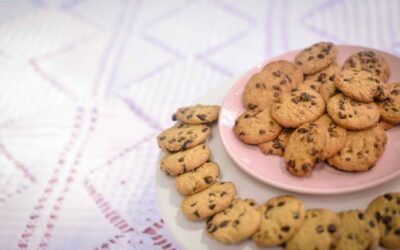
x: 197, y: 114
x: 277, y: 145
x: 316, y: 57
x: 390, y: 108
x: 337, y: 136
x: 293, y: 73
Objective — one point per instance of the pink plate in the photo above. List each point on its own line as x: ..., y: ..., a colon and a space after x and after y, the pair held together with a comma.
x: 324, y: 179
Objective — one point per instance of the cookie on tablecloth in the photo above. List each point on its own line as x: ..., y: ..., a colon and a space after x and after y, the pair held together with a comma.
x: 197, y: 114
x: 361, y: 150
x: 305, y: 147
x: 320, y: 230
x: 361, y: 85
x: 183, y: 137
x: 316, y: 57
x: 298, y: 107
x: 386, y: 210
x: 181, y: 162
x: 351, y: 114
x: 209, y: 201
x: 359, y: 231
x: 370, y: 61
x: 390, y: 108
x: 281, y: 217
x: 293, y: 73
x: 336, y: 138
x: 277, y: 145
x: 256, y: 126
x: 236, y: 223
x: 198, y: 179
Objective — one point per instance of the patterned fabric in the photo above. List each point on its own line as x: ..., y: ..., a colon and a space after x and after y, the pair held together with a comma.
x: 87, y: 84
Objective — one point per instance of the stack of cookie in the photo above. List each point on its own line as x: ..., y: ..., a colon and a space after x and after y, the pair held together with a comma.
x: 314, y: 110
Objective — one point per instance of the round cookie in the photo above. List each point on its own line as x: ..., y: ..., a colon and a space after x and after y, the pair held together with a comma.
x: 359, y: 231
x: 298, y: 107
x: 236, y: 223
x: 351, y: 114
x: 197, y: 114
x: 281, y: 217
x: 386, y: 210
x: 277, y: 145
x: 316, y: 57
x: 390, y: 108
x: 361, y: 151
x: 183, y: 137
x: 264, y: 88
x: 181, y: 162
x: 294, y: 74
x: 256, y: 126
x: 325, y: 76
x: 361, y: 85
x: 209, y: 201
x: 369, y: 61
x: 336, y: 136
x: 198, y: 179
x: 320, y: 230
x: 305, y: 147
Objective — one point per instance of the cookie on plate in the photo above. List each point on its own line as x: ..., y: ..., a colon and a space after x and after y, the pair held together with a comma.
x: 298, y: 107
x: 325, y: 76
x: 386, y: 210
x: 236, y: 223
x: 390, y: 108
x: 277, y: 145
x: 183, y: 137
x: 361, y: 85
x: 359, y: 231
x: 198, y: 179
x: 264, y: 88
x: 294, y: 74
x: 197, y: 114
x: 351, y: 114
x: 281, y: 217
x: 320, y: 230
x: 316, y: 57
x: 208, y: 202
x: 181, y: 162
x: 361, y: 151
x: 370, y: 61
x: 336, y: 138
x: 256, y: 126
x: 305, y: 147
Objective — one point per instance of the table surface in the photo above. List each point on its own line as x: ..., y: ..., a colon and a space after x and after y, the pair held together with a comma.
x: 87, y: 85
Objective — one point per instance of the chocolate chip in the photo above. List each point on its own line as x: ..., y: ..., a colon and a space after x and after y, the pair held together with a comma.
x: 251, y: 106
x: 223, y: 194
x: 242, y: 133
x: 388, y: 197
x: 321, y: 56
x: 212, y: 206
x: 283, y: 82
x: 211, y: 228
x: 277, y: 73
x: 224, y: 223
x: 258, y: 85
x: 285, y: 228
x: 202, y: 117
x: 331, y: 228
x: 235, y: 223
x: 310, y: 58
x: 262, y: 132
x: 361, y: 216
x: 302, y: 130
x: 281, y: 203
x: 246, y: 116
x: 296, y: 215
x: 196, y: 213
x: 386, y: 219
x: 342, y: 115
x: 372, y: 223
x: 319, y: 229
x: 397, y: 232
x: 181, y: 159
x: 193, y: 204
x: 348, y: 159
x: 186, y: 144
x: 321, y: 77
x: 204, y: 129
x: 305, y: 166
x: 208, y: 179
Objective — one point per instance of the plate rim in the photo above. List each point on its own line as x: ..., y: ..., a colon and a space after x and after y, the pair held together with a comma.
x: 297, y: 189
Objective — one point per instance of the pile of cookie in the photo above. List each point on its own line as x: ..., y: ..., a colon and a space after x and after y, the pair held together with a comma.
x: 281, y: 220
x: 314, y: 110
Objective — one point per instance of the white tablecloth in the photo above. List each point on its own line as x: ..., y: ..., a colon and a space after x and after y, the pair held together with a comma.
x: 87, y: 85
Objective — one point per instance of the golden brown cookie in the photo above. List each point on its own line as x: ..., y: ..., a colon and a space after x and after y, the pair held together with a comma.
x: 316, y: 57
x: 390, y: 108
x: 197, y: 114
x: 277, y: 145
x: 294, y: 74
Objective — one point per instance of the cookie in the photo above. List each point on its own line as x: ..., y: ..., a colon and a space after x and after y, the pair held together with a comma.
x: 320, y: 230
x: 181, y: 162
x: 298, y: 107
x: 293, y: 73
x: 385, y: 125
x: 316, y: 57
x: 209, y: 201
x: 197, y: 114
x: 359, y: 231
x: 264, y: 88
x: 386, y: 210
x: 361, y: 151
x: 336, y: 136
x: 369, y: 61
x: 277, y: 145
x: 361, y: 85
x: 325, y: 76
x: 281, y: 217
x: 198, y: 179
x: 390, y: 108
x: 256, y: 126
x: 183, y: 137
x: 236, y: 223
x: 351, y: 114
x: 305, y: 147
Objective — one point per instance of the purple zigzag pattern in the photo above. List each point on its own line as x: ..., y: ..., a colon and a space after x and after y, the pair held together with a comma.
x: 141, y: 114
x: 268, y: 28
